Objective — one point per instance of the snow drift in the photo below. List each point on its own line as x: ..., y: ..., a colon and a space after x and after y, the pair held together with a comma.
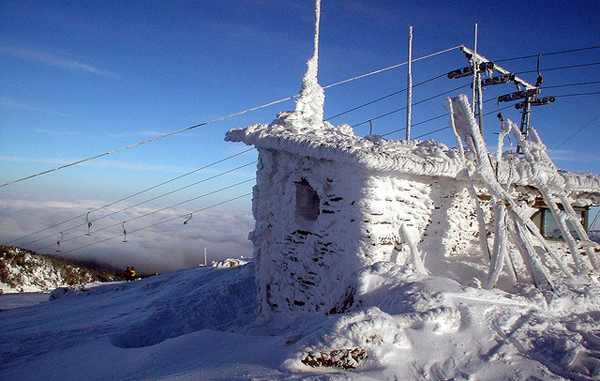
x: 201, y: 323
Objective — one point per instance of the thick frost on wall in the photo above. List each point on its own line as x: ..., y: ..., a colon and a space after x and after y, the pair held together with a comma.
x: 318, y: 222
x: 304, y: 251
x: 328, y: 203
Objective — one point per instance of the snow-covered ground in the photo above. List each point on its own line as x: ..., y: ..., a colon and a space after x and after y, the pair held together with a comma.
x: 201, y: 324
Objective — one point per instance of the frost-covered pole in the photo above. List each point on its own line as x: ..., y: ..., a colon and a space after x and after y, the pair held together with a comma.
x: 317, y: 26
x: 312, y: 97
x: 477, y: 94
x: 409, y: 84
x: 474, y: 66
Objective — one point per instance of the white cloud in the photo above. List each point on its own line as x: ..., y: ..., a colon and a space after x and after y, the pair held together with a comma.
x: 52, y: 60
x: 13, y: 104
x: 159, y: 248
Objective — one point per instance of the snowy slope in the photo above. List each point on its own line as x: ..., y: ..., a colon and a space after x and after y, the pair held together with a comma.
x: 200, y: 324
x: 23, y: 270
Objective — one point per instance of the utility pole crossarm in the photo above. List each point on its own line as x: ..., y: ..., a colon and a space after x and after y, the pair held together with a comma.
x: 481, y: 59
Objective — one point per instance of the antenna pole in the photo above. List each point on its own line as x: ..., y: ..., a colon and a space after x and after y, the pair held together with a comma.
x: 409, y: 85
x: 477, y: 94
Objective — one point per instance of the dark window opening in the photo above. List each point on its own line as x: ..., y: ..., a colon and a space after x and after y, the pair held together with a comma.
x: 546, y: 222
x: 307, y: 202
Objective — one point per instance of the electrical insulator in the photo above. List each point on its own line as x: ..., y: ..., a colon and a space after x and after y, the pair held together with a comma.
x: 467, y: 71
x: 505, y: 78
x: 536, y: 102
x: 485, y: 66
x: 460, y: 73
x: 518, y: 95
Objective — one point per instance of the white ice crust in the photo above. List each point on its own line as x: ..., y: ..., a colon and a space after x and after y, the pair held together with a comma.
x: 426, y: 158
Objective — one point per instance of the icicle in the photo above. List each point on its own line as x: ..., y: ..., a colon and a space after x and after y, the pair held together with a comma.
x: 470, y: 133
x: 528, y: 253
x: 551, y: 186
x: 410, y: 235
x: 500, y: 250
x: 471, y: 188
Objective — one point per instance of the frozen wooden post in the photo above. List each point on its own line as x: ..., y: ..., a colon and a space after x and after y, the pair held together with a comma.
x: 409, y: 85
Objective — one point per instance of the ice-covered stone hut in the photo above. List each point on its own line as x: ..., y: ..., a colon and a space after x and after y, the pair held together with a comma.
x: 328, y: 203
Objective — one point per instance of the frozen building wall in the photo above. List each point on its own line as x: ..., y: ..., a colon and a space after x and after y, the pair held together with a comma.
x: 327, y: 203
x: 318, y: 222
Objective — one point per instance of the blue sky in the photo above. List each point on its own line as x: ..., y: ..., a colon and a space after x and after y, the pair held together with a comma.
x: 80, y: 78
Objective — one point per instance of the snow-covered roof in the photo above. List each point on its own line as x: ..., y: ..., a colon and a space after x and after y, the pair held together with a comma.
x: 291, y: 133
x: 340, y: 144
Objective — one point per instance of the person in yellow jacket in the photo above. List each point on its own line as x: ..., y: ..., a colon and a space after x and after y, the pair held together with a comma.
x: 132, y: 273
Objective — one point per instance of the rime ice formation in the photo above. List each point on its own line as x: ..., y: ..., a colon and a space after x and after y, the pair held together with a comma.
x: 328, y: 203
x: 310, y: 104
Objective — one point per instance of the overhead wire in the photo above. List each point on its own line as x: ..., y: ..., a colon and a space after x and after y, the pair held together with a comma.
x: 415, y: 103
x: 548, y: 54
x: 149, y: 200
x: 575, y: 133
x: 448, y: 127
x: 392, y: 67
x: 559, y: 68
x: 442, y: 115
x: 572, y: 84
x: 159, y: 223
x: 128, y: 197
x: 216, y: 120
x: 155, y: 211
x: 375, y: 72
x: 270, y: 104
x: 384, y: 97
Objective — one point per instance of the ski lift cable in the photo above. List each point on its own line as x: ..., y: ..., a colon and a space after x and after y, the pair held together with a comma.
x: 148, y: 200
x: 159, y: 223
x: 560, y: 68
x: 126, y: 198
x: 214, y: 120
x: 219, y: 161
x: 549, y: 54
x: 384, y: 97
x: 155, y: 211
x: 415, y: 103
x: 159, y: 210
x: 575, y: 133
x: 176, y: 190
x: 448, y: 127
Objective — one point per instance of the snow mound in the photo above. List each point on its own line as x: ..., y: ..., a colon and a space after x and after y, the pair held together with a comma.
x: 201, y: 323
x: 25, y: 271
x: 230, y: 262
x: 218, y: 302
